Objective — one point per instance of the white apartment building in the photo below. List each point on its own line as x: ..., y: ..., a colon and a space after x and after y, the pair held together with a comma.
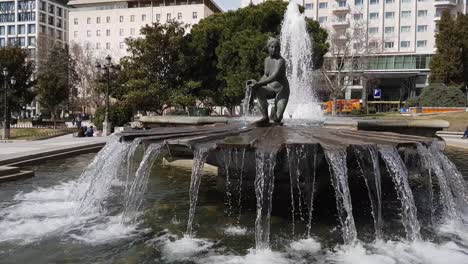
x: 35, y: 25
x: 402, y: 31
x: 101, y: 26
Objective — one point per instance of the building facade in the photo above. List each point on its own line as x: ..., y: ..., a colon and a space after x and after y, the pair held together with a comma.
x: 35, y: 25
x: 102, y: 26
x: 401, y: 32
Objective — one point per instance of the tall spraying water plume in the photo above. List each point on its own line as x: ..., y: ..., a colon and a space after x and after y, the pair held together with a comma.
x: 296, y: 48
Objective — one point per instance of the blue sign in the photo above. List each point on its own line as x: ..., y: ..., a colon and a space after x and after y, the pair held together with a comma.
x: 377, y: 93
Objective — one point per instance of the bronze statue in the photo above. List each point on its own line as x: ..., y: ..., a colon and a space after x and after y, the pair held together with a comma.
x: 273, y: 85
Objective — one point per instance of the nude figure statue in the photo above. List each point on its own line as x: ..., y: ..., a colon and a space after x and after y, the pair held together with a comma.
x: 272, y: 85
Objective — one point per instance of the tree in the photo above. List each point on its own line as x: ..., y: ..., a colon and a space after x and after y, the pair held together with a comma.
x: 462, y: 25
x: 350, y: 51
x: 440, y: 95
x: 55, y: 79
x: 15, y: 60
x: 154, y: 75
x: 229, y: 48
x: 447, y: 64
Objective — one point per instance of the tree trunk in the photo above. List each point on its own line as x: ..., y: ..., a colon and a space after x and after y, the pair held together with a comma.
x: 364, y: 94
x: 334, y: 106
x: 52, y: 115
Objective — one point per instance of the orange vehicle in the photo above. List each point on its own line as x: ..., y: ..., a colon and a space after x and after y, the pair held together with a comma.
x: 342, y: 106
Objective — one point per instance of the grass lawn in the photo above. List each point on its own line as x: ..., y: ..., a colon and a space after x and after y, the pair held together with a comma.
x: 37, y: 133
x: 458, y: 121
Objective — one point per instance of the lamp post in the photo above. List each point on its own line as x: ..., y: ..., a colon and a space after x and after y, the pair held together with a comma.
x: 5, y: 134
x: 106, y: 69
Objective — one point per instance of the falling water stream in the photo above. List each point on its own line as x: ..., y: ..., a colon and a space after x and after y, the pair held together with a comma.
x: 399, y: 173
x: 339, y: 177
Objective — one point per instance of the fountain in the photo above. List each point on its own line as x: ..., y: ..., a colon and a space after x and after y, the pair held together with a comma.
x: 304, y: 175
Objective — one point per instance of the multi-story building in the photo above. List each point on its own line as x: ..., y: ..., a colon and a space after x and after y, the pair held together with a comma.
x: 102, y: 26
x: 35, y: 25
x: 402, y: 33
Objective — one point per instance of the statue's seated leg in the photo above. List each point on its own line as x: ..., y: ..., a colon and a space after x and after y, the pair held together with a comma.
x: 262, y: 97
x: 281, y: 102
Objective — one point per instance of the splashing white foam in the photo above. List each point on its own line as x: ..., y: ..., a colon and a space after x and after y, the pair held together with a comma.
x: 264, y: 256
x: 235, y: 231
x: 184, y: 249
x: 308, y: 245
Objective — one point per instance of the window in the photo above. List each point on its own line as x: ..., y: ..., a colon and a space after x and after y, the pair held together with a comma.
x: 422, y: 13
x: 389, y: 1
x: 389, y: 15
x: 341, y: 18
x: 405, y: 14
x: 59, y: 11
x: 52, y: 9
x: 11, y: 41
x: 158, y: 17
x: 322, y: 19
x: 11, y: 30
x: 32, y: 41
x: 22, y: 41
x: 121, y: 19
x: 2, y: 31
x: 43, y: 29
x: 358, y: 2
x: 132, y: 31
x: 143, y: 17
x: 373, y: 45
x: 422, y: 28
x: 179, y: 16
x: 373, y: 16
x: 108, y: 32
x: 323, y: 5
x: 21, y: 29
x: 374, y: 2
x: 421, y: 43
x: 51, y: 32
x: 132, y: 18
x: 88, y: 21
x: 98, y: 33
x: 75, y: 21
x: 405, y: 44
x: 168, y: 16
x: 88, y: 33
x: 75, y: 34
x: 406, y: 1
x: 108, y: 19
x: 195, y: 15
x: 88, y: 46
x: 342, y: 3
x: 98, y: 20
x: 98, y: 45
x: 51, y: 20
x: 2, y: 42
x: 121, y: 32
x: 389, y: 30
x: 107, y: 45
x: 373, y: 30
x: 309, y: 6
x: 405, y: 29
x: 388, y: 44
x: 121, y: 45
x: 358, y: 16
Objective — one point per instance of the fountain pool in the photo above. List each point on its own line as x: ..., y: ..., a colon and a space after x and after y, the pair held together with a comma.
x: 38, y: 225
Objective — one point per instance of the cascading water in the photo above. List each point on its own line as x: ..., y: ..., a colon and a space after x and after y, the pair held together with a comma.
x: 368, y: 161
x: 296, y: 49
x: 296, y: 156
x: 200, y: 155
x: 96, y: 181
x: 227, y: 168
x: 131, y: 162
x: 399, y: 173
x: 264, y: 185
x: 336, y: 159
x: 433, y: 165
x: 134, y: 194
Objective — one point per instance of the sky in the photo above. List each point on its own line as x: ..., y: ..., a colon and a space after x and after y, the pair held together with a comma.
x: 228, y: 4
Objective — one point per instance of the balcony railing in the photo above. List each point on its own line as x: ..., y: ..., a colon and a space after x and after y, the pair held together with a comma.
x: 341, y: 8
x: 445, y: 3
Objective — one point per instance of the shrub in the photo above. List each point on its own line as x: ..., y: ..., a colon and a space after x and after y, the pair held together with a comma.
x: 411, y: 102
x: 440, y: 95
x: 119, y: 115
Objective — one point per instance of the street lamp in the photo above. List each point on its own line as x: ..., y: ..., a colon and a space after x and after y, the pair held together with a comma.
x: 106, y: 69
x: 6, y: 132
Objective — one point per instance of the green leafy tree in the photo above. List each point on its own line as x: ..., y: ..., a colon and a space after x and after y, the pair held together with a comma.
x: 440, y: 95
x: 229, y: 48
x: 447, y: 63
x: 55, y: 79
x: 154, y: 75
x: 462, y: 25
x: 14, y: 59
